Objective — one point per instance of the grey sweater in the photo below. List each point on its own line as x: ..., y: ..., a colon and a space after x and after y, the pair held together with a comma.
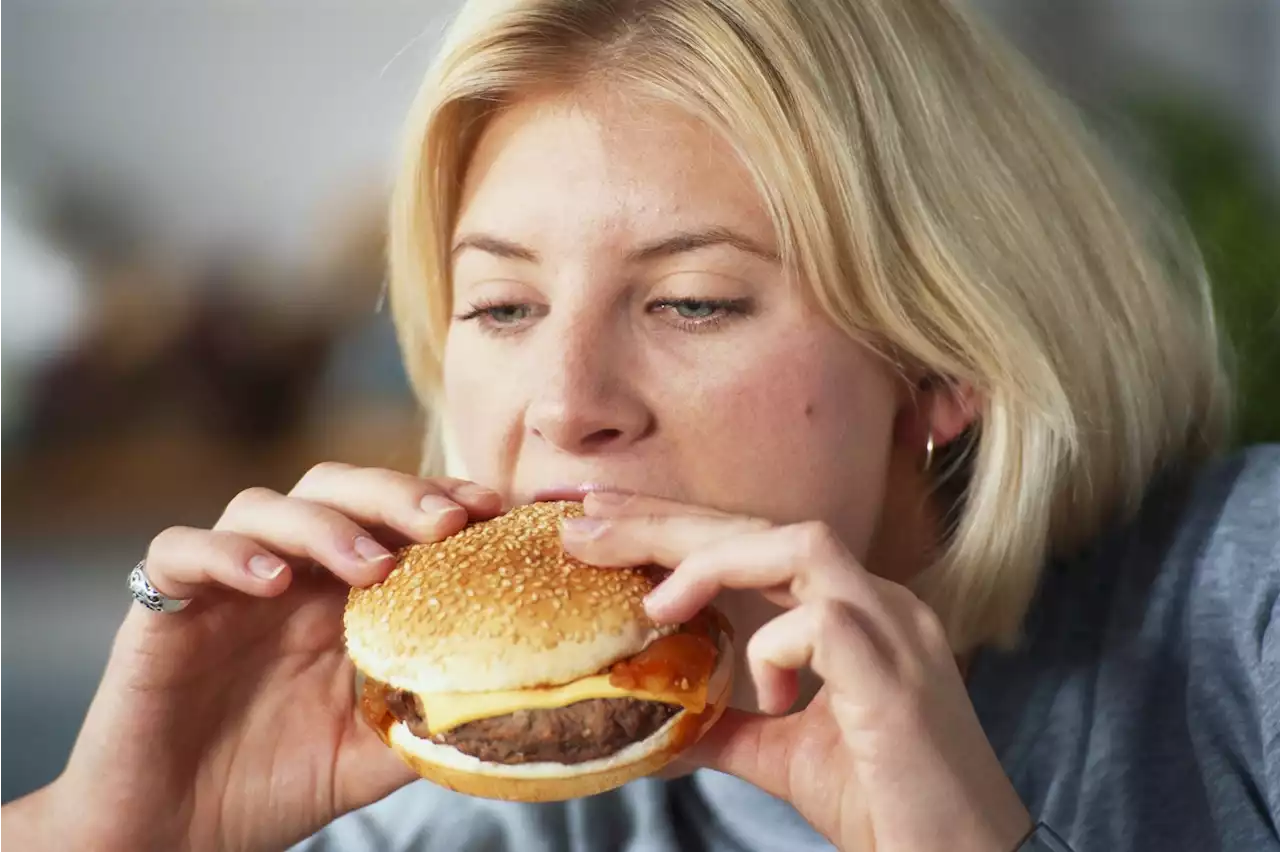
x: 1141, y: 713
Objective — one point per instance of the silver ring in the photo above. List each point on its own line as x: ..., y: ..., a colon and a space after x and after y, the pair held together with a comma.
x: 148, y: 595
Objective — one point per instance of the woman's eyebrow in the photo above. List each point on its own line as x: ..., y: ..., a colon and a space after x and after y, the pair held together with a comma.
x: 494, y: 246
x: 687, y: 241
x: 679, y: 242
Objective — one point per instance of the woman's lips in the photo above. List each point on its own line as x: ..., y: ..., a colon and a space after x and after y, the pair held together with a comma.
x: 576, y: 493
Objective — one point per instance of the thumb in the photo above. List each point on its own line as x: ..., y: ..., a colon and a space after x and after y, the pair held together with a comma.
x: 751, y: 746
x: 367, y: 770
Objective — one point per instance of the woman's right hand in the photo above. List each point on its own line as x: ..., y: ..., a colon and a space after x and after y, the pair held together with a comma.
x: 233, y: 724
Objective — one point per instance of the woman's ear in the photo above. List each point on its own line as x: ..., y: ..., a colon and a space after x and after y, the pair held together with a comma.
x: 948, y: 408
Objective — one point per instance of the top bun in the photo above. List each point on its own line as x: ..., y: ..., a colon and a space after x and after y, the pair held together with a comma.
x: 498, y: 606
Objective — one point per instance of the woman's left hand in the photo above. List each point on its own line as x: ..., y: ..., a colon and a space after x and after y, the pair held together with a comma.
x: 890, y: 755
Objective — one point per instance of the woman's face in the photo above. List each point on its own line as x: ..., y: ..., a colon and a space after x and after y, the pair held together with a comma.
x: 621, y: 321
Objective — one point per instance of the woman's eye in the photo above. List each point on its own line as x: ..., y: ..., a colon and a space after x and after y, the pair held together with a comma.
x: 695, y: 310
x: 507, y: 313
x: 701, y: 314
x: 498, y: 317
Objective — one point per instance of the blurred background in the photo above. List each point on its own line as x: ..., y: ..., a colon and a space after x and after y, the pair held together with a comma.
x: 191, y: 208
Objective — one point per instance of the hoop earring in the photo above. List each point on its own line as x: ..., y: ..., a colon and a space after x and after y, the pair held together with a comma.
x: 928, y: 452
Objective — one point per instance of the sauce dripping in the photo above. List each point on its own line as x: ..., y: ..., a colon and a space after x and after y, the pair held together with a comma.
x: 678, y: 665
x: 373, y: 703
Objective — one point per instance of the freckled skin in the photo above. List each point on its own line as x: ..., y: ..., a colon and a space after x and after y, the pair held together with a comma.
x: 774, y: 413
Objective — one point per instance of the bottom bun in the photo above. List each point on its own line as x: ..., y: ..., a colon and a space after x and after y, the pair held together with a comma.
x: 553, y: 782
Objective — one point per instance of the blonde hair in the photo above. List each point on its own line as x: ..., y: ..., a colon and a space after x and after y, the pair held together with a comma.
x: 942, y: 205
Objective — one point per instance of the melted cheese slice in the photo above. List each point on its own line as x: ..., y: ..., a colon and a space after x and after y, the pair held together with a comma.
x: 449, y: 710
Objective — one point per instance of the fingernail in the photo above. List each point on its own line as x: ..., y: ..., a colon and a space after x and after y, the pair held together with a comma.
x: 369, y: 550
x: 437, y: 508
x: 265, y: 567
x: 583, y: 529
x: 471, y: 491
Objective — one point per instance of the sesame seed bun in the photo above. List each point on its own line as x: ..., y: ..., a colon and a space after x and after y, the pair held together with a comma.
x: 498, y: 606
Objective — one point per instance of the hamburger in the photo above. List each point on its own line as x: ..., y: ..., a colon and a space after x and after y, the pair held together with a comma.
x: 496, y: 665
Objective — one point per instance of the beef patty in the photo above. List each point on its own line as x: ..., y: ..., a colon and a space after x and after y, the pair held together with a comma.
x: 587, y: 730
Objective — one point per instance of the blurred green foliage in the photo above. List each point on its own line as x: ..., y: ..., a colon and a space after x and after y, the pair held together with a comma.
x: 1232, y: 206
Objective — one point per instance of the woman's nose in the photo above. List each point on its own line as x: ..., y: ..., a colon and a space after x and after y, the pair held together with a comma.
x: 584, y: 399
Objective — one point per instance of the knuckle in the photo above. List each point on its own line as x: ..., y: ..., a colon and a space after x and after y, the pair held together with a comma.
x: 929, y: 627
x: 816, y: 549
x: 341, y: 529
x: 166, y: 542
x: 330, y: 468
x: 324, y: 471
x: 329, y: 532
x: 655, y: 520
x: 418, y: 487
x: 228, y: 545
x: 915, y: 614
x: 255, y: 496
x: 761, y: 643
x: 222, y: 556
x: 830, y: 617
x: 815, y: 541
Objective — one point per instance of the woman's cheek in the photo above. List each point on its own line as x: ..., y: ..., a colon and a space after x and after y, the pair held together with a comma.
x: 478, y: 416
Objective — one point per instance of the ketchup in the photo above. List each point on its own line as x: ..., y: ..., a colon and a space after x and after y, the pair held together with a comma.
x: 678, y: 665
x: 373, y: 703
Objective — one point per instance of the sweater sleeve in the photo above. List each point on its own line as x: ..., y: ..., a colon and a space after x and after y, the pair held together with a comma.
x: 1269, y: 712
x: 1257, y: 562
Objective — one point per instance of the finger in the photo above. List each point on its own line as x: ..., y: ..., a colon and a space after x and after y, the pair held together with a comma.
x: 480, y: 502
x: 612, y: 504
x: 365, y: 770
x: 299, y: 528
x: 181, y: 560
x: 665, y: 540
x: 734, y: 563
x: 746, y: 744
x: 833, y: 638
x: 774, y: 653
x: 421, y: 509
x: 791, y: 565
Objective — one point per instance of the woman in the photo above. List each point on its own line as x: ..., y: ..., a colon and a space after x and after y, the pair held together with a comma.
x: 829, y: 308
